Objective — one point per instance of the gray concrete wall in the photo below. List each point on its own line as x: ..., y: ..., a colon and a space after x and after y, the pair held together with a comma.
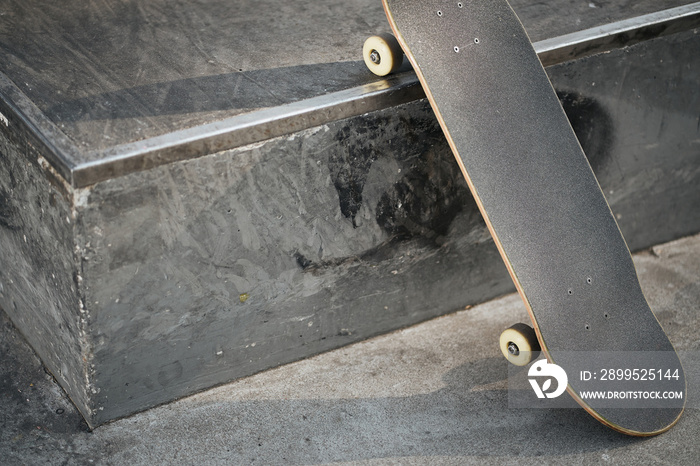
x: 635, y: 112
x: 200, y: 272
x: 39, y: 279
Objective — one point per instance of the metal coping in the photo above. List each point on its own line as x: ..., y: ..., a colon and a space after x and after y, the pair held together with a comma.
x: 258, y: 126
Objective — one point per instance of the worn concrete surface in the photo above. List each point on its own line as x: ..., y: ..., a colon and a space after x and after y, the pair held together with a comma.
x: 434, y: 393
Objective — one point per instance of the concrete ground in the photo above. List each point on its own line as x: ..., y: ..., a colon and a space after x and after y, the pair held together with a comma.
x: 435, y: 393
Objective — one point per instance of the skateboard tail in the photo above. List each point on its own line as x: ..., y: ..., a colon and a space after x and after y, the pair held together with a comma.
x: 492, y: 229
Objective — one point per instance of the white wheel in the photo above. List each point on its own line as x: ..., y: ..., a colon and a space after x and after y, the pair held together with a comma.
x: 382, y: 54
x: 519, y: 344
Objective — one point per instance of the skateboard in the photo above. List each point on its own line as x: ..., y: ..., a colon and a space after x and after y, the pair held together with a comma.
x: 542, y: 204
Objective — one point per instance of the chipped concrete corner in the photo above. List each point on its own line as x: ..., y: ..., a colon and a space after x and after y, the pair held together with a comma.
x: 39, y: 286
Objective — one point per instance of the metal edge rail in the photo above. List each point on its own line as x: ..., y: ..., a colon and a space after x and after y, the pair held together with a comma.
x: 261, y: 125
x: 249, y: 128
x: 617, y: 35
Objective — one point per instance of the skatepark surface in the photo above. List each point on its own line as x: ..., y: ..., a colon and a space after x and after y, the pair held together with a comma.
x: 434, y: 393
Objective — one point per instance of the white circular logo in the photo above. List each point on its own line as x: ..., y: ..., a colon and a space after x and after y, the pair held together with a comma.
x: 545, y: 371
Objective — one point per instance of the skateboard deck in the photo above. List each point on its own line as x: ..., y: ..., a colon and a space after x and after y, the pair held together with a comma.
x: 539, y: 197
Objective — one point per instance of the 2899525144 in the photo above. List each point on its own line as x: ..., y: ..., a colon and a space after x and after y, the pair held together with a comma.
x: 639, y: 374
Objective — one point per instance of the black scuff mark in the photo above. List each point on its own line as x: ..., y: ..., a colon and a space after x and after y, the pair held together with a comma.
x: 349, y: 168
x: 7, y: 213
x: 425, y: 202
x: 593, y: 126
x: 302, y: 261
x: 417, y: 208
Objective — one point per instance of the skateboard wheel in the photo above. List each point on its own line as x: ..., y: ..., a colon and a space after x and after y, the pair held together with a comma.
x: 382, y: 54
x: 519, y: 344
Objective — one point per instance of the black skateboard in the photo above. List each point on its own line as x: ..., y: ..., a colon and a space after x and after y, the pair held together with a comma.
x: 543, y: 207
